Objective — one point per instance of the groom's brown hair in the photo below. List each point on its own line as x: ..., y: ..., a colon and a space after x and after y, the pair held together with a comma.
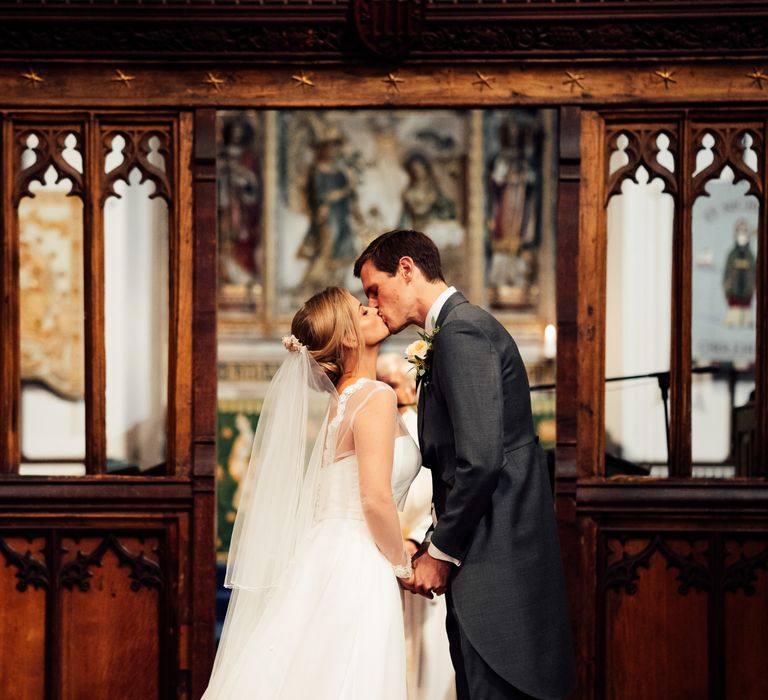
x: 386, y: 250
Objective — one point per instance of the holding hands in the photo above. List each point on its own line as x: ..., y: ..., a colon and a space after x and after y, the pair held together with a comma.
x: 430, y: 575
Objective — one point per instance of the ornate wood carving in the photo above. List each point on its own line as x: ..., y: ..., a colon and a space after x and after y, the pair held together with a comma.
x: 143, y: 572
x: 741, y: 576
x: 135, y: 152
x: 31, y: 572
x: 623, y: 573
x: 321, y: 28
x: 389, y: 27
x: 642, y: 149
x: 728, y: 149
x: 621, y: 567
x: 48, y: 152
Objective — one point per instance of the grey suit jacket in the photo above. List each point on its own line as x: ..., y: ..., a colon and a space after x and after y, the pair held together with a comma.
x: 493, y: 502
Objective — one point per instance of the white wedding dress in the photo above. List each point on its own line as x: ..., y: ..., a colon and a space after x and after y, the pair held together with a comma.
x: 332, y: 629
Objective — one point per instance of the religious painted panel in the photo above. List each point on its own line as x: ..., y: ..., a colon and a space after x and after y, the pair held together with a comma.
x: 343, y: 177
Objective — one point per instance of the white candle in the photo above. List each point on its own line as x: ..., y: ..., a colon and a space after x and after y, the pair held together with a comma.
x: 550, y: 342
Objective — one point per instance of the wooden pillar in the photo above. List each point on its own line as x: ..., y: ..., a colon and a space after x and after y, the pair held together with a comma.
x: 204, y: 397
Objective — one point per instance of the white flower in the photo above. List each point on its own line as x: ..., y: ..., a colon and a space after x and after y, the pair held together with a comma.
x: 418, y: 349
x: 292, y: 343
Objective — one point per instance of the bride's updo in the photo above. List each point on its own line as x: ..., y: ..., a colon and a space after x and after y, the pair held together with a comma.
x: 328, y: 326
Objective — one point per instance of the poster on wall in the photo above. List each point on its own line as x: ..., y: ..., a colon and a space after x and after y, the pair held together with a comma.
x: 724, y: 275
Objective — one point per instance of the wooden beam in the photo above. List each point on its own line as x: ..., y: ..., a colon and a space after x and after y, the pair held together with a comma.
x: 523, y: 83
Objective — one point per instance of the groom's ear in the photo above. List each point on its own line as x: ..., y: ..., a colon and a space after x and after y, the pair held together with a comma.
x: 406, y: 267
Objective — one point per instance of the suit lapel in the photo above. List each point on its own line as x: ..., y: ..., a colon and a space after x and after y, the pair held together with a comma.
x: 420, y: 414
x: 450, y: 304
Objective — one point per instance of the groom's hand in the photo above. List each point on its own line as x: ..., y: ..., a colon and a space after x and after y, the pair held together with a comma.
x: 430, y: 575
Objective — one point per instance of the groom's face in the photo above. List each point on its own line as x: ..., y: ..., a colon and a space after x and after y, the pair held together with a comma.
x: 387, y: 293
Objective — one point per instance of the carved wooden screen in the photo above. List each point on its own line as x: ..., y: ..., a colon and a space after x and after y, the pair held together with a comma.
x: 688, y: 155
x: 111, y: 574
x: 672, y: 571
x: 60, y: 330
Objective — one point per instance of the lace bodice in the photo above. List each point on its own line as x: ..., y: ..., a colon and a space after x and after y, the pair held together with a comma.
x: 339, y: 488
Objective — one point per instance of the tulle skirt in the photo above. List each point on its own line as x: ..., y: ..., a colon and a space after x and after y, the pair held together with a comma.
x: 332, y: 630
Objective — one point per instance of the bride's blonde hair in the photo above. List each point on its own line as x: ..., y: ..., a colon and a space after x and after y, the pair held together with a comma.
x: 328, y: 326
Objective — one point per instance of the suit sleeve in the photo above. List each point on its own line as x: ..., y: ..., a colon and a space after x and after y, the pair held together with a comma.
x: 468, y: 370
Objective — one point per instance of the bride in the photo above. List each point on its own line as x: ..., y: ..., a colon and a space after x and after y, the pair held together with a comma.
x: 316, y: 549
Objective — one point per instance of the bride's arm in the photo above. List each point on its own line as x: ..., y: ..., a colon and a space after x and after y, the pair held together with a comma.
x: 374, y: 430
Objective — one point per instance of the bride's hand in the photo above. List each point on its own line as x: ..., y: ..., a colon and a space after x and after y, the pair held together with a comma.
x: 407, y: 584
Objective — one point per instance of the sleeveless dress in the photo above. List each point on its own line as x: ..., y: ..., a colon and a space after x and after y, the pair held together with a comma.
x: 333, y: 629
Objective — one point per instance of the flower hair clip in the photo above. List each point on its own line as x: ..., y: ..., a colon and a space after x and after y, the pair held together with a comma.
x: 292, y: 343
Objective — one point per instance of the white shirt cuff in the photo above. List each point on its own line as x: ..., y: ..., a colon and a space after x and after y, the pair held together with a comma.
x: 437, y: 554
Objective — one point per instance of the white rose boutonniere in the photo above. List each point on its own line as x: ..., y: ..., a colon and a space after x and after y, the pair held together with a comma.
x: 419, y: 354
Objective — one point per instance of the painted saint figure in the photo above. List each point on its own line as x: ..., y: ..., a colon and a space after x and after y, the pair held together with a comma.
x: 240, y: 195
x: 514, y: 217
x: 739, y: 278
x: 329, y: 245
x: 423, y: 200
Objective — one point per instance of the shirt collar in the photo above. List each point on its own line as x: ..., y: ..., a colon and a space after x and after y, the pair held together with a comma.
x: 436, y: 308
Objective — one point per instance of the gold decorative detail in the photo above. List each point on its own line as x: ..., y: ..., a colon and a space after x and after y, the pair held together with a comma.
x: 574, y: 80
x: 33, y: 77
x: 392, y: 81
x: 757, y: 75
x: 214, y: 80
x: 123, y: 78
x: 666, y: 75
x: 303, y: 80
x: 483, y: 81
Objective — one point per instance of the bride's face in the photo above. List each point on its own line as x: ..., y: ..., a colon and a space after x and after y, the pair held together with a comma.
x: 372, y: 327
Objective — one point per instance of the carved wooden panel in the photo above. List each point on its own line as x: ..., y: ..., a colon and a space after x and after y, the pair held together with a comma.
x: 746, y: 620
x: 48, y: 151
x: 111, y: 592
x: 642, y: 149
x: 136, y: 152
x: 672, y: 601
x: 23, y: 591
x: 237, y: 30
x: 91, y: 609
x: 656, y: 601
x: 728, y: 149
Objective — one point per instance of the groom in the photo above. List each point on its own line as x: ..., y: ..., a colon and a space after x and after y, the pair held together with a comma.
x: 494, y: 548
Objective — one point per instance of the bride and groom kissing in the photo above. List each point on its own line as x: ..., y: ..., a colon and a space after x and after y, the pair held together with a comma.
x: 317, y: 554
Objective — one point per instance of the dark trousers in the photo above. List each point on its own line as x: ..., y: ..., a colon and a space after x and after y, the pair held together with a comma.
x: 475, y: 679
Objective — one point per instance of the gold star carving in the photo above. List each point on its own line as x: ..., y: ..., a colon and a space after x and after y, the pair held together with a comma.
x: 666, y: 75
x: 215, y: 81
x: 303, y: 80
x: 757, y: 75
x: 574, y: 80
x: 33, y: 77
x: 392, y: 80
x: 483, y: 81
x: 121, y: 77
